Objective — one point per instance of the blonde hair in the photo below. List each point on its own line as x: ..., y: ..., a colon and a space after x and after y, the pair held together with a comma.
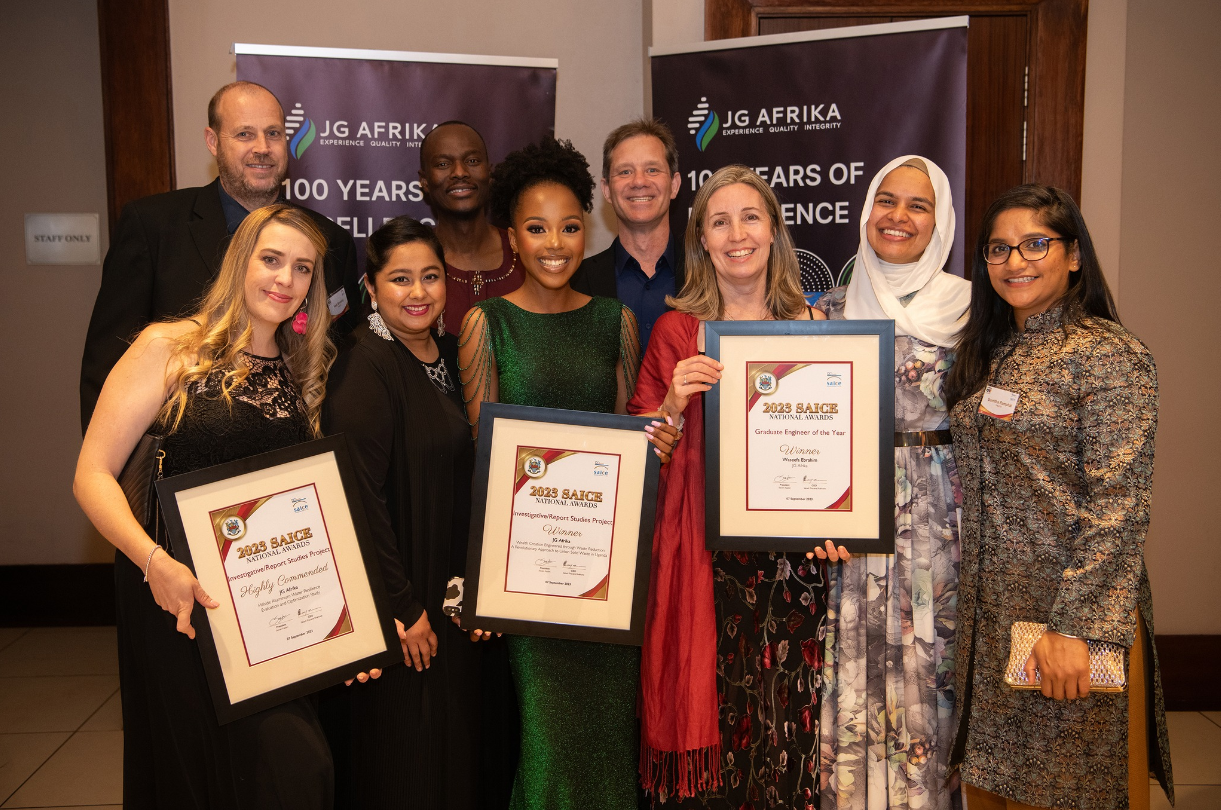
x: 700, y: 295
x: 224, y: 329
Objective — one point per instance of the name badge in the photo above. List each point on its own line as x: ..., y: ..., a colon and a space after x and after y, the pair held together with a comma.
x: 998, y: 403
x: 337, y: 303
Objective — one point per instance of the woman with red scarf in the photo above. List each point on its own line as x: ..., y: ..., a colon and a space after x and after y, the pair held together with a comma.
x: 730, y: 668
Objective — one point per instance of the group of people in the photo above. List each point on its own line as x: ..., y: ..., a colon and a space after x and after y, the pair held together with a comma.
x: 765, y: 680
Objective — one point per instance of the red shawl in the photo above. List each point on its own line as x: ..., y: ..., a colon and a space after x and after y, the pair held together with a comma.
x: 681, y: 746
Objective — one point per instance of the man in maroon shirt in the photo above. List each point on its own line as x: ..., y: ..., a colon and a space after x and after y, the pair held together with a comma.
x: 455, y: 176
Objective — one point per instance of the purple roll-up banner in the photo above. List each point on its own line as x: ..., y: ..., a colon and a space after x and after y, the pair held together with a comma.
x: 817, y: 114
x: 355, y: 120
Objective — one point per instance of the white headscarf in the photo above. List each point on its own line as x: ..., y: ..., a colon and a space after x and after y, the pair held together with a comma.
x: 939, y: 310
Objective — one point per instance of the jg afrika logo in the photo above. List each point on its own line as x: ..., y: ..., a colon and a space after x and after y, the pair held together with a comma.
x: 705, y: 123
x: 303, y: 132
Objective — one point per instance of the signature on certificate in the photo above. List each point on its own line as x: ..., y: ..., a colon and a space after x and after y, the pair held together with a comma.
x: 782, y: 479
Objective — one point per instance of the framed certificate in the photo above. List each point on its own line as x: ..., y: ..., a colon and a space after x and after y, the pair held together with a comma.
x: 561, y: 524
x: 280, y: 540
x: 799, y: 435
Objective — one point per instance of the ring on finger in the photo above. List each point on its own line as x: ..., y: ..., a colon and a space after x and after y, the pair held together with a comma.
x: 684, y: 379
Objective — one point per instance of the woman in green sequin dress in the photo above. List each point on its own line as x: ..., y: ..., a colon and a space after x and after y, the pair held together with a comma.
x: 547, y: 345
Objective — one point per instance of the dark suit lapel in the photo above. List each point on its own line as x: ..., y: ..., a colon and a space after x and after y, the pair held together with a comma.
x: 209, y: 231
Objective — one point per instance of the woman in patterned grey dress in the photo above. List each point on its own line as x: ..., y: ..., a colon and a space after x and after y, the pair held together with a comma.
x: 888, y: 673
x: 1057, y: 483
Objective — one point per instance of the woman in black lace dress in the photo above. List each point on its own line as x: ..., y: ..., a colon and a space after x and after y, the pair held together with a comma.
x: 244, y: 374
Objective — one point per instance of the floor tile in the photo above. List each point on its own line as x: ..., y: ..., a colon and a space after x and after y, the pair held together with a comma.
x: 87, y: 769
x: 62, y: 651
x: 21, y: 755
x: 10, y: 634
x: 1214, y: 716
x: 107, y: 718
x: 54, y: 703
x: 1187, y: 797
x: 1194, y: 742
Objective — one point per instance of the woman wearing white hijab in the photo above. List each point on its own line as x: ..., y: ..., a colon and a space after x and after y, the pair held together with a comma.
x: 888, y: 674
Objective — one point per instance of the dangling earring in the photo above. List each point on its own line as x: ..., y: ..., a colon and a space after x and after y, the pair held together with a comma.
x: 378, y: 325
x: 441, y: 325
x: 301, y: 321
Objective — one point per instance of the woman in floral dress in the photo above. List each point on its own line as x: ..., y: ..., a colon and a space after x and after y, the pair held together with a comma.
x: 888, y: 672
x: 732, y: 655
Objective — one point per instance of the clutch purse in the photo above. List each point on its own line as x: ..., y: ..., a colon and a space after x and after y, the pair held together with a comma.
x: 1107, y: 670
x: 142, y: 469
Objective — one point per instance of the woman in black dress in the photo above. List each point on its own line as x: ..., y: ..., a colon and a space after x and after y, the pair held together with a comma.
x: 244, y: 374
x: 393, y: 393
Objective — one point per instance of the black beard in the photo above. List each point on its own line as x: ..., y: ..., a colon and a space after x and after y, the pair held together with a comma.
x: 237, y: 187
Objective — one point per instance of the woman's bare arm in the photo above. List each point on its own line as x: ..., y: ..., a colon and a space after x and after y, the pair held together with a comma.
x: 130, y: 400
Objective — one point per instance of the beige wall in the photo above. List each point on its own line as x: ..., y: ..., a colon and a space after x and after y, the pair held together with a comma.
x: 598, y: 46
x: 1171, y: 283
x: 51, y: 133
x: 1102, y: 149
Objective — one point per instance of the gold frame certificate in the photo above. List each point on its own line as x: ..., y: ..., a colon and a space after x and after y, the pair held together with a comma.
x: 799, y: 436
x: 277, y: 541
x: 562, y: 524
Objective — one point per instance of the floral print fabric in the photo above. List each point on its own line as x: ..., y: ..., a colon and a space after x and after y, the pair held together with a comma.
x: 888, y: 711
x: 1054, y: 519
x: 771, y: 610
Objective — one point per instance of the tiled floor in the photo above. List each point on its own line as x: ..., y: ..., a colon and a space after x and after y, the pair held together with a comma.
x: 61, y: 731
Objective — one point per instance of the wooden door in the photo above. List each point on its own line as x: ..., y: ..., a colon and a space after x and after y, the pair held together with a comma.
x: 1025, y: 79
x: 137, y: 100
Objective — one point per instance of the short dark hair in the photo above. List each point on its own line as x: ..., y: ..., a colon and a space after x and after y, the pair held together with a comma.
x: 641, y: 126
x: 990, y: 319
x: 548, y: 161
x: 424, y: 143
x: 214, y: 103
x: 397, y: 232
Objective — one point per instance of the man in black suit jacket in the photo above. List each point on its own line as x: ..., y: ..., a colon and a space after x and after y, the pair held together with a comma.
x: 645, y: 262
x: 167, y: 248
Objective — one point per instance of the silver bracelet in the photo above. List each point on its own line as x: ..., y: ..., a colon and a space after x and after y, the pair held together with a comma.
x: 149, y: 561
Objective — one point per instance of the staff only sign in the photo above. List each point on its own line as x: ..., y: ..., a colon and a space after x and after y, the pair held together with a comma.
x: 355, y: 120
x: 816, y: 114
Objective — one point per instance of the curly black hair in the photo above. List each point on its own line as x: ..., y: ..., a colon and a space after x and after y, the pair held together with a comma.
x: 548, y: 161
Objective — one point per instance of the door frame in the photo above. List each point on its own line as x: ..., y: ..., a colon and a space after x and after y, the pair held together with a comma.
x: 1055, y: 112
x: 137, y: 100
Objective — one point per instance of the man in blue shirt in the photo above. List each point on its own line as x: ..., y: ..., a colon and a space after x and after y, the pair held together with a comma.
x: 645, y: 262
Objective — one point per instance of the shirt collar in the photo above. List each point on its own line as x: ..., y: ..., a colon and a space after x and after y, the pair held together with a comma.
x: 1047, y: 320
x: 622, y: 257
x: 235, y: 212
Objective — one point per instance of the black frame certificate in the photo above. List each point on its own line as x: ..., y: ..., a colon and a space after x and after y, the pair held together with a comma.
x: 280, y: 540
x: 561, y: 524
x: 799, y: 435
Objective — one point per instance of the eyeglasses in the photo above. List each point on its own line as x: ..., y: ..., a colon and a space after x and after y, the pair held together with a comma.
x: 1031, y: 250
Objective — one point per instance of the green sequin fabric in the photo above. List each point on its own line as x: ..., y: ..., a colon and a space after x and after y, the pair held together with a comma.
x: 579, y: 743
x: 556, y: 360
